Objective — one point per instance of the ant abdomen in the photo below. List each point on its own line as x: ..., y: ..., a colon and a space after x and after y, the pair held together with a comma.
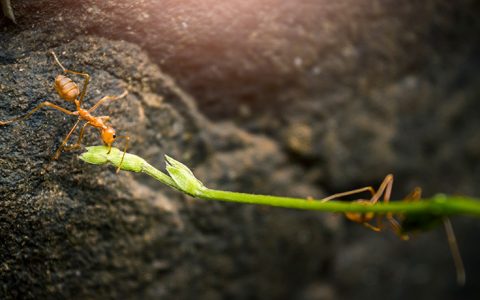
x: 66, y: 88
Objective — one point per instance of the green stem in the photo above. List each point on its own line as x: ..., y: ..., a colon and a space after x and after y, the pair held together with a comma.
x: 182, y: 179
x: 438, y: 205
x: 159, y: 175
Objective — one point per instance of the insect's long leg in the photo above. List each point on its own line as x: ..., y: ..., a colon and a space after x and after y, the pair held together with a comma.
x: 457, y: 258
x: 352, y: 192
x: 79, y: 140
x: 415, y: 195
x: 106, y: 98
x: 85, y: 83
x: 372, y: 227
x: 59, y: 150
x: 385, y: 189
x: 28, y: 114
x: 84, y: 75
x: 127, y: 140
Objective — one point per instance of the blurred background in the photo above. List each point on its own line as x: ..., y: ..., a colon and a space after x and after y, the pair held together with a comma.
x: 300, y: 98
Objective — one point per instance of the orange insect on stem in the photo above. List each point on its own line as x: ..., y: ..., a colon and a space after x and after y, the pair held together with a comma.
x: 385, y: 191
x: 69, y: 91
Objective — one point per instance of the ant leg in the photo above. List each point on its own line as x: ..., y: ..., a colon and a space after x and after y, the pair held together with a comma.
x: 85, y: 83
x: 352, y: 192
x: 84, y: 75
x: 106, y: 98
x: 59, y: 150
x: 127, y: 140
x: 457, y: 258
x: 79, y: 140
x: 46, y: 103
x: 385, y: 189
x: 370, y: 226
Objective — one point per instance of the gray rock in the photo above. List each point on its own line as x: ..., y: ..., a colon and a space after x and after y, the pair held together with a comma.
x: 283, y: 97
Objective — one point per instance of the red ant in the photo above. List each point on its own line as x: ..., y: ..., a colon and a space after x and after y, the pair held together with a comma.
x: 385, y: 189
x: 68, y: 90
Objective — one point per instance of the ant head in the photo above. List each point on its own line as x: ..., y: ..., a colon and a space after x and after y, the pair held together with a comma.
x: 108, y: 136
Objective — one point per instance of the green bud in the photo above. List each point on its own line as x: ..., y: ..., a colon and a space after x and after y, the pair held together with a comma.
x: 95, y: 155
x: 183, y: 177
x: 99, y: 155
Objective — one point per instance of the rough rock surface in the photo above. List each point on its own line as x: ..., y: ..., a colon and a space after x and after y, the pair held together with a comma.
x: 294, y: 98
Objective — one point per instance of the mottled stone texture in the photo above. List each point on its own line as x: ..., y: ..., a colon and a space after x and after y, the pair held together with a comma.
x: 296, y: 98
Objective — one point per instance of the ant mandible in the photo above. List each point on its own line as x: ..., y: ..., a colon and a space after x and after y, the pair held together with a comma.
x: 68, y: 90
